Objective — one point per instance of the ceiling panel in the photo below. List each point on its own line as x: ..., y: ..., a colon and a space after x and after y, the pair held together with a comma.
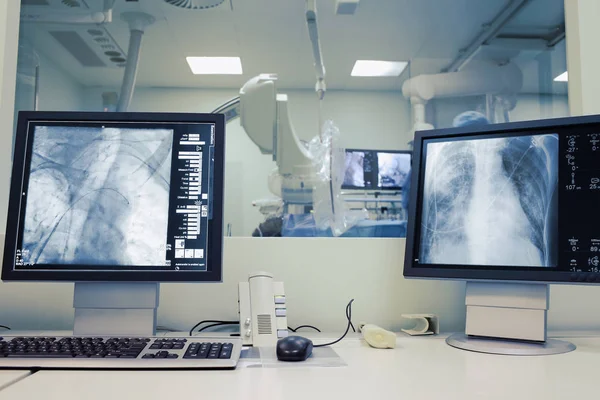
x: 271, y: 36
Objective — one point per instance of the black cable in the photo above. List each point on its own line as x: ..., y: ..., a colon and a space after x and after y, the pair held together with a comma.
x: 5, y: 327
x: 305, y: 326
x: 349, y: 316
x: 210, y: 321
x: 217, y: 324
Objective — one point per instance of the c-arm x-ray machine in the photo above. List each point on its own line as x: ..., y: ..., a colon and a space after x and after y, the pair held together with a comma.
x: 264, y: 115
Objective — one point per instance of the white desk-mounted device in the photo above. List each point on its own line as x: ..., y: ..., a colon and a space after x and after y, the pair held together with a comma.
x: 262, y: 310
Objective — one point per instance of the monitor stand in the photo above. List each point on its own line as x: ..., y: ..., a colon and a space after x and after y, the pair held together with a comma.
x: 126, y: 309
x: 509, y: 319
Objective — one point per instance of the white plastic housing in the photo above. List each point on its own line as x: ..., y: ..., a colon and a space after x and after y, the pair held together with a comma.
x: 473, y: 81
x: 258, y: 111
x: 264, y: 328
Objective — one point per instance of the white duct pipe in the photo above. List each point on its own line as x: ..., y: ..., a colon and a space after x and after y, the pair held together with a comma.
x: 476, y: 81
x: 137, y: 24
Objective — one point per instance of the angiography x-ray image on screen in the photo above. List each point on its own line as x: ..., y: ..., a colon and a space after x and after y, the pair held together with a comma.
x: 98, y: 196
x: 393, y: 169
x: 354, y: 174
x: 491, y: 202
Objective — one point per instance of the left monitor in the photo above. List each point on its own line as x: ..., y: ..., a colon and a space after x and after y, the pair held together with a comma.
x: 116, y: 197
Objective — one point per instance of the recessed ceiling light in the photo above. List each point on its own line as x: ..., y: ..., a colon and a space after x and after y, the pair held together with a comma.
x: 378, y: 68
x: 215, y: 65
x: 564, y: 77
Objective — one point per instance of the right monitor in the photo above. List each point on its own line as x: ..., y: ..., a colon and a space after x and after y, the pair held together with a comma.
x: 517, y: 201
x: 376, y: 169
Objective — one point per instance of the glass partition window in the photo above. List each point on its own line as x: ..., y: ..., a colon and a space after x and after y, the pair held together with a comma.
x: 378, y: 72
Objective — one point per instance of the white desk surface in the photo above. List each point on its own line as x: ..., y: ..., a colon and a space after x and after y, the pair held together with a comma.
x: 7, y: 378
x: 419, y: 368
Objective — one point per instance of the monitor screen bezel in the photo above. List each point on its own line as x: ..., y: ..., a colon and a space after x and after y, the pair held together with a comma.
x: 215, y: 230
x: 377, y: 188
x: 539, y: 274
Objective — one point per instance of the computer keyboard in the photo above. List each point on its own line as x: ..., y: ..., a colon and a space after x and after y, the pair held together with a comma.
x: 119, y: 352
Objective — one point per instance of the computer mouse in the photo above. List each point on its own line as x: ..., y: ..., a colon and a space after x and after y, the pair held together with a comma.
x: 294, y: 348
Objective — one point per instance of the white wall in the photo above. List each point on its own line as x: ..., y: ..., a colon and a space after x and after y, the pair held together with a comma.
x: 9, y: 28
x: 320, y: 276
x: 377, y: 120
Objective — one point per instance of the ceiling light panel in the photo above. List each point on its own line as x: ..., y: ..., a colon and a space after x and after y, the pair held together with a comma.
x: 378, y: 68
x: 564, y: 77
x: 215, y: 65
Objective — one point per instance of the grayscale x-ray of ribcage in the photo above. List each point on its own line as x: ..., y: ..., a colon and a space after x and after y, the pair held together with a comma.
x: 98, y: 196
x: 491, y: 202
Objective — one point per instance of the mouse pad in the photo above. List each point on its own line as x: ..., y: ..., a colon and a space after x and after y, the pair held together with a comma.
x: 266, y: 357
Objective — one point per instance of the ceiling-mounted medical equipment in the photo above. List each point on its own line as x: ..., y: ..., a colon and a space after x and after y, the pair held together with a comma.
x: 313, y: 32
x: 79, y: 29
x: 42, y: 14
x: 195, y: 4
x: 264, y: 115
x: 138, y: 22
x: 505, y: 80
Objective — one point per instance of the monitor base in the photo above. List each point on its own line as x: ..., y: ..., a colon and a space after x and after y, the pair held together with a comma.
x: 509, y: 347
x: 115, y: 308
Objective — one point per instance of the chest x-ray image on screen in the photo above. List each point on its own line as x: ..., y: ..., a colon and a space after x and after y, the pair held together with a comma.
x: 393, y: 169
x: 491, y: 201
x: 98, y: 196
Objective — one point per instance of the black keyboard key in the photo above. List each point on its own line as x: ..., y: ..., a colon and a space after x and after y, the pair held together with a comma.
x: 162, y: 354
x: 178, y: 346
x: 156, y: 346
x: 172, y: 355
x: 213, y: 354
x: 225, y: 354
x: 203, y: 353
x: 167, y: 346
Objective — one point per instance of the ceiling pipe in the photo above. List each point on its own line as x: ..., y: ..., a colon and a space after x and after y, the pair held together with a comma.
x: 489, y: 31
x: 138, y: 22
x: 313, y: 32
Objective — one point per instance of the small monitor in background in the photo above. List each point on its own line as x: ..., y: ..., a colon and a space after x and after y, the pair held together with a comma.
x: 376, y: 169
